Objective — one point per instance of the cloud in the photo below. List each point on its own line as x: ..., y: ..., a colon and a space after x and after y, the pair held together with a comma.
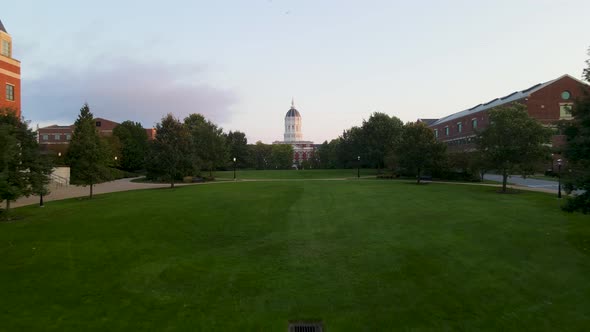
x: 125, y: 90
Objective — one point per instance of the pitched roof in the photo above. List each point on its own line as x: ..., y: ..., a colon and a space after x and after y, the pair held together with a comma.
x: 515, y: 96
x: 2, y: 28
x: 428, y: 122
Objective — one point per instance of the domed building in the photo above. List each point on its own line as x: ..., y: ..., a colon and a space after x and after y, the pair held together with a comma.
x: 302, y: 150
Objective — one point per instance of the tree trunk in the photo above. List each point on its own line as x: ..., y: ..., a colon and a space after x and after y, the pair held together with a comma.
x: 504, y: 180
x: 419, y: 175
x: 7, y: 207
x: 172, y: 183
x: 91, y: 187
x: 41, y: 200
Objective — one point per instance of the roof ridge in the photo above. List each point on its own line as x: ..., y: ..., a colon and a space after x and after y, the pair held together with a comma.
x: 2, y: 28
x: 517, y: 95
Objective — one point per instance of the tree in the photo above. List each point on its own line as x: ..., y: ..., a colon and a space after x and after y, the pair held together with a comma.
x: 513, y: 140
x: 133, y: 141
x: 19, y: 159
x: 209, y: 149
x: 379, y: 135
x: 577, y: 152
x: 586, y: 72
x: 261, y: 155
x: 418, y: 149
x: 88, y: 154
x: 282, y: 156
x: 169, y: 155
x: 40, y: 176
x: 237, y: 146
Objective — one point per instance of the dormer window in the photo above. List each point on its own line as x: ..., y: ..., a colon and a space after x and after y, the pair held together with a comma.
x: 6, y: 48
x: 98, y: 123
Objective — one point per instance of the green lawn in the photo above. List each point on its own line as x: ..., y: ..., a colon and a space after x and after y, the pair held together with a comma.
x: 360, y: 255
x: 297, y: 174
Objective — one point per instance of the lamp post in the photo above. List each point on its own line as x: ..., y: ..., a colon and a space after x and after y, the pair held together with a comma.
x: 558, y: 178
x: 358, y: 167
x: 234, y: 168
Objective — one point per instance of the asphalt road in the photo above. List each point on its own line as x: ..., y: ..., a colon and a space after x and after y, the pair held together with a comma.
x: 531, y: 183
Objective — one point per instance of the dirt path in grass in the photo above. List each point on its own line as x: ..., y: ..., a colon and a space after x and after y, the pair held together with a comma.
x: 65, y: 192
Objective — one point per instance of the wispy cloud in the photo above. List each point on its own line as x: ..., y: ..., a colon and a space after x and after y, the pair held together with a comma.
x: 125, y: 90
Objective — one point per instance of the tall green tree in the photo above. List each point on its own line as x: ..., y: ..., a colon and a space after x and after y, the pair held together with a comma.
x: 513, y: 140
x: 133, y: 142
x: 237, y: 147
x: 577, y: 152
x: 281, y: 156
x: 380, y: 134
x: 19, y: 159
x: 169, y: 156
x: 260, y: 154
x: 209, y: 149
x: 418, y: 149
x: 88, y: 154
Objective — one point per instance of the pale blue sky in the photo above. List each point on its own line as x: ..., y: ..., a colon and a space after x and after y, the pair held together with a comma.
x: 240, y: 62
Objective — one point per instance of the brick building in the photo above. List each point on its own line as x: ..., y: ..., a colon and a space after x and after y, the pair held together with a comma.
x: 9, y: 74
x: 547, y: 102
x: 57, y: 138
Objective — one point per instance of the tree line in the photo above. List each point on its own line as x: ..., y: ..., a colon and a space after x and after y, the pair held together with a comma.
x: 513, y: 143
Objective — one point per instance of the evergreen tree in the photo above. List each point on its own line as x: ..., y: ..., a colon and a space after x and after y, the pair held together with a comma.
x: 19, y: 159
x: 88, y: 155
x: 577, y: 152
x: 40, y: 176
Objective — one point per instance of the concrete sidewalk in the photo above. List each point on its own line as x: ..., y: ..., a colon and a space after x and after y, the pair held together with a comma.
x: 64, y: 192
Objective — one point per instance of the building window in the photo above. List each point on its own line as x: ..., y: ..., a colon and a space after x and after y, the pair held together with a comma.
x: 566, y: 95
x: 565, y: 111
x: 436, y: 133
x: 459, y: 127
x: 68, y: 137
x: 98, y: 123
x: 474, y: 123
x: 45, y: 137
x: 447, y: 131
x: 6, y: 48
x: 57, y: 136
x: 10, y: 92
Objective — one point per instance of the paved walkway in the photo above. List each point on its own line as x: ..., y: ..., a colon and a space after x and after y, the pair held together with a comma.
x: 63, y: 192
x: 548, y: 186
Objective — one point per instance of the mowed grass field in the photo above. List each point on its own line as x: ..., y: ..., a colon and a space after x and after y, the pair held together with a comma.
x: 296, y: 174
x: 250, y: 256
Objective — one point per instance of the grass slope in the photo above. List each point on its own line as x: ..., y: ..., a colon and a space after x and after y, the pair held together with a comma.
x: 361, y: 255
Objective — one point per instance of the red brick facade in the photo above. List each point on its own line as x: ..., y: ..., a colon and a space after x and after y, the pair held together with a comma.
x: 544, y: 102
x: 10, y: 85
x: 57, y: 138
